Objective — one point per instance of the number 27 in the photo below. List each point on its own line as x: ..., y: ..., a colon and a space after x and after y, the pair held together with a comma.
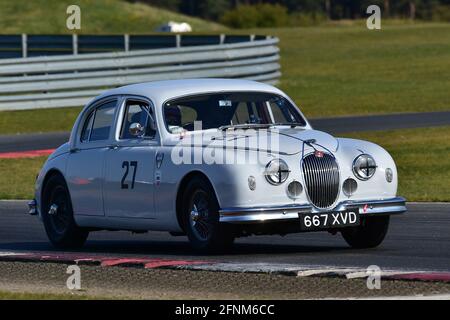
x: 126, y: 165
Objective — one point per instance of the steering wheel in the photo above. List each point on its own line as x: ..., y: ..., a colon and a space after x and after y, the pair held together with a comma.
x: 189, y: 126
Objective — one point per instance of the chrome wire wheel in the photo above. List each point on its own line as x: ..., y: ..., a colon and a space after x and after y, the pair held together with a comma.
x: 57, y: 215
x: 58, y: 210
x: 200, y: 219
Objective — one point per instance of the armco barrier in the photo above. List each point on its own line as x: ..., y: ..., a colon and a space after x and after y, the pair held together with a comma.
x: 71, y: 80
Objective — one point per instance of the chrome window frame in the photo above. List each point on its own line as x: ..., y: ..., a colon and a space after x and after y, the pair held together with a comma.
x: 84, y: 116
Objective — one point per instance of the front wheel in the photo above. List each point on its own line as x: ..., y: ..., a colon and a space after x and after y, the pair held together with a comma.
x: 200, y: 218
x: 57, y: 215
x: 369, y: 234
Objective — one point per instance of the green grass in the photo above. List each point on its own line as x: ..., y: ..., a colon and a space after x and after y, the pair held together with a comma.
x: 5, y: 295
x: 331, y: 70
x: 349, y: 70
x: 32, y: 121
x: 18, y: 176
x: 422, y: 157
x: 97, y: 17
x: 75, y: 295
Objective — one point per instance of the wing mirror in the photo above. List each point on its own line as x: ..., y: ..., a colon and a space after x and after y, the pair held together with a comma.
x: 136, y: 129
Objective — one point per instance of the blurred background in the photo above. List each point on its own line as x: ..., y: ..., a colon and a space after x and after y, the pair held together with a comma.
x: 331, y: 65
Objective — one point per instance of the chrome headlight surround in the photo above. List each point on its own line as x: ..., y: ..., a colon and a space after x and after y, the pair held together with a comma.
x: 277, y: 171
x: 364, y: 167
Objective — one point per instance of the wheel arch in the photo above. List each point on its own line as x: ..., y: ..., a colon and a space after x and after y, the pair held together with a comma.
x: 181, y: 188
x: 50, y: 173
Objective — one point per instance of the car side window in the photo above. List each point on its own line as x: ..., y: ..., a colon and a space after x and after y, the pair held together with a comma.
x: 137, y: 112
x: 86, y: 132
x: 98, y: 124
x: 103, y: 121
x: 282, y: 112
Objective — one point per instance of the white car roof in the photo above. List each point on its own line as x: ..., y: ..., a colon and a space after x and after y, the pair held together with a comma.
x: 160, y: 91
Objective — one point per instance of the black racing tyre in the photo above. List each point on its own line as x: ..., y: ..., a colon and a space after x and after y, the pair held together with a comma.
x: 369, y: 234
x: 200, y: 218
x: 57, y: 215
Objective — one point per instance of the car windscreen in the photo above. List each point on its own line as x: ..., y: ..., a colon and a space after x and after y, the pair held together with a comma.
x: 225, y: 109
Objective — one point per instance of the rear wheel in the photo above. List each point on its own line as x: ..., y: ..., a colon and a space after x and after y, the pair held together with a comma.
x: 57, y: 215
x: 369, y: 234
x: 200, y: 218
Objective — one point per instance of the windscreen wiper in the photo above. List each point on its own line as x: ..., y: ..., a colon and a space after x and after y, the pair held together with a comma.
x: 291, y: 124
x: 246, y: 126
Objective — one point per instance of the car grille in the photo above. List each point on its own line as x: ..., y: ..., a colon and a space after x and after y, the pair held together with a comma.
x: 321, y: 179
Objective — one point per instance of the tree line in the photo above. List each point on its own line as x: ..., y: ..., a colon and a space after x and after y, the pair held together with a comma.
x: 330, y: 9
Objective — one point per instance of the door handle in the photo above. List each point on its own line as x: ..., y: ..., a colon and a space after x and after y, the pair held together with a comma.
x: 113, y: 147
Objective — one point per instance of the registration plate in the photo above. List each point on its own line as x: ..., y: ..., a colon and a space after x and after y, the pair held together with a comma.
x: 326, y: 220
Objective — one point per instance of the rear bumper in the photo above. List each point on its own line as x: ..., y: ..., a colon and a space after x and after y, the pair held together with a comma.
x: 291, y: 212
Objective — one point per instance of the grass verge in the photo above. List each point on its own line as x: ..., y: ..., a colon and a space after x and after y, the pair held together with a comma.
x: 34, y: 121
x: 347, y: 70
x: 18, y: 176
x: 7, y: 295
x: 330, y: 70
x: 97, y: 17
x: 421, y: 156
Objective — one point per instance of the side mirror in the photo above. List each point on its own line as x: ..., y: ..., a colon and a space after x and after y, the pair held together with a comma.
x: 136, y: 129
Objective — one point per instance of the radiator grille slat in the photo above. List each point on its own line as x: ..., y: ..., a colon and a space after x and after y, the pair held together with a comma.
x: 321, y: 179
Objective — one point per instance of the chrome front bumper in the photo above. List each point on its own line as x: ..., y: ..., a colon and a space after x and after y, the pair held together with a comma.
x: 288, y: 212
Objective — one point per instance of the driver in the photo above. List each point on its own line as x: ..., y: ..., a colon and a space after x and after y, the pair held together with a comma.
x: 173, y: 119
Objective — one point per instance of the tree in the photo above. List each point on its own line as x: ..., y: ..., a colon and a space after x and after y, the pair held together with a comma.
x: 213, y: 9
x: 412, y: 10
x: 328, y: 8
x: 168, y: 4
x: 333, y: 9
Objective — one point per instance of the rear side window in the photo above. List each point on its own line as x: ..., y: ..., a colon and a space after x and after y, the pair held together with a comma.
x: 86, y: 133
x: 98, y: 124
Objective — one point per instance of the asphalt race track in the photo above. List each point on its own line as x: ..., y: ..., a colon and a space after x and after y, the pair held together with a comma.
x: 337, y: 125
x: 35, y: 141
x: 417, y: 240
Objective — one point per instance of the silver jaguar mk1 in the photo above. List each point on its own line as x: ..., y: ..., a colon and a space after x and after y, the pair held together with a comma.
x: 212, y: 159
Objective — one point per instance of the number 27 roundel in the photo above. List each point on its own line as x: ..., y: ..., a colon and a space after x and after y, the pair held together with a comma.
x: 126, y: 166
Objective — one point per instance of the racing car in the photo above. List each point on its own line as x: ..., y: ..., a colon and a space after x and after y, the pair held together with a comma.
x: 212, y: 159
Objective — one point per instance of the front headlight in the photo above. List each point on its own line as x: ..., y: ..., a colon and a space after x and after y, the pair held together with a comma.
x: 277, y: 172
x: 364, y: 167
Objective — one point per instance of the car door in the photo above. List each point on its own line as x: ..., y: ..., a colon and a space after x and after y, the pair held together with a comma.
x: 130, y: 163
x: 85, y: 167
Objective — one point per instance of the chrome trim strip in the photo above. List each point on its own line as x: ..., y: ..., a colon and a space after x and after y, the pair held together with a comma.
x: 289, y: 212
